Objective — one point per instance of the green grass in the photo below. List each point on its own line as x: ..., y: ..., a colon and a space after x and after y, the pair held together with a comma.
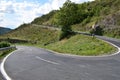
x: 33, y: 34
x: 82, y: 45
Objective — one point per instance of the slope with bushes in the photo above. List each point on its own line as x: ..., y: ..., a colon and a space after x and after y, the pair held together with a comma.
x: 33, y: 34
x: 104, y: 12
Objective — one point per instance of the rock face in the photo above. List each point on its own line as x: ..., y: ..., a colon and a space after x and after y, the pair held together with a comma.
x: 111, y: 21
x: 4, y: 30
x: 111, y: 25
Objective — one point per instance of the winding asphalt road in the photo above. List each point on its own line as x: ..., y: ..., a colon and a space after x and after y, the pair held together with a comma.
x: 31, y: 63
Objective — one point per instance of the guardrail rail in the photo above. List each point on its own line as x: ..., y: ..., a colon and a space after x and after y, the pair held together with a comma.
x: 7, y: 48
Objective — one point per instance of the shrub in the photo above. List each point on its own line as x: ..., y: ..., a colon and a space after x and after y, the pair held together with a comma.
x: 65, y: 32
x: 98, y: 31
x: 92, y: 32
x: 4, y: 44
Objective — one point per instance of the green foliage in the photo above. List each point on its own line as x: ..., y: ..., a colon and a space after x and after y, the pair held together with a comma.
x: 98, y: 31
x: 92, y: 31
x: 67, y: 14
x: 66, y: 17
x: 5, y: 52
x: 115, y: 33
x: 4, y: 44
x: 66, y: 33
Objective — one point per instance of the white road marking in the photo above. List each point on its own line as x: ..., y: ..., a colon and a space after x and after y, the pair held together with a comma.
x: 5, y: 75
x: 114, y: 46
x: 47, y: 60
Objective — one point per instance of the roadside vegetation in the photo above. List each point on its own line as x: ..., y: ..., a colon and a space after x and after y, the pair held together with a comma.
x: 82, y: 45
x: 3, y: 53
x: 4, y: 44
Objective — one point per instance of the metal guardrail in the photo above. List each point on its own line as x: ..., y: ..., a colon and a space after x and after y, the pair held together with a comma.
x: 7, y: 48
x: 49, y: 27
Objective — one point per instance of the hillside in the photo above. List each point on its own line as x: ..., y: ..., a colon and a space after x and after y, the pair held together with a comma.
x: 4, y: 30
x: 105, y: 12
x: 47, y: 19
x: 33, y: 34
x: 49, y: 38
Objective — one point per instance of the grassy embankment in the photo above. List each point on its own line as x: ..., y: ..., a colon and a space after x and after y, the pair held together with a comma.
x: 82, y: 45
x: 33, y: 35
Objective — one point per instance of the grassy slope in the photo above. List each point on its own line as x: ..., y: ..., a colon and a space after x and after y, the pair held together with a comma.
x: 36, y: 34
x: 82, y: 45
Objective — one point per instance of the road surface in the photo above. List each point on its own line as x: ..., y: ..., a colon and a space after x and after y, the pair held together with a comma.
x: 31, y: 63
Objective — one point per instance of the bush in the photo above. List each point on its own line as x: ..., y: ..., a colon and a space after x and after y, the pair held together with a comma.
x: 98, y: 31
x: 66, y: 32
x: 92, y: 32
x: 4, y: 44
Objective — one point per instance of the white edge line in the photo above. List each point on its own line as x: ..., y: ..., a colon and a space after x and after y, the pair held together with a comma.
x: 112, y: 45
x: 47, y: 60
x: 5, y: 75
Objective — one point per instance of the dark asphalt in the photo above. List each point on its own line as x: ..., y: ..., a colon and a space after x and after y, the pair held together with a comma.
x: 30, y: 63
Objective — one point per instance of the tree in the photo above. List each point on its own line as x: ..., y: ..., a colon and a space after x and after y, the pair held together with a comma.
x: 98, y: 31
x: 92, y: 32
x: 66, y: 17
